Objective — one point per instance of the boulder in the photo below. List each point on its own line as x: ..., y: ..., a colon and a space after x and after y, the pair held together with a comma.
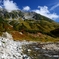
x: 7, y: 35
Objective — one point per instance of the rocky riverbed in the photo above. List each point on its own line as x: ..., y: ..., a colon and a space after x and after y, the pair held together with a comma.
x: 10, y: 49
x: 42, y: 51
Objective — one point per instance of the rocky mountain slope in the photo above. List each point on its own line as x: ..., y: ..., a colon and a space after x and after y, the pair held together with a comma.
x: 27, y: 25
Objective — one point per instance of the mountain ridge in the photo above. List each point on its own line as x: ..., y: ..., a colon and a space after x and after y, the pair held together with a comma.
x: 33, y: 26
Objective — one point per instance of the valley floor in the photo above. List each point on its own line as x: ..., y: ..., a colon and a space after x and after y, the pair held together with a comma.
x: 11, y: 49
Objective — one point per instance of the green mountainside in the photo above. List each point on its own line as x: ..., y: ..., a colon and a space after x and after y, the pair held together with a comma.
x: 28, y: 26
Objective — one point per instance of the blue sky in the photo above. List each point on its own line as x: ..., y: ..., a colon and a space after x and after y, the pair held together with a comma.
x: 34, y: 3
x: 48, y: 8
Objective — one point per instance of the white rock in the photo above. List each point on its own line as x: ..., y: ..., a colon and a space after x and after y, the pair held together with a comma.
x: 29, y: 50
x: 7, y: 35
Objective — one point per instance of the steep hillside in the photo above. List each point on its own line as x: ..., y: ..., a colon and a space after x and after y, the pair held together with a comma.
x: 32, y: 26
x: 27, y: 25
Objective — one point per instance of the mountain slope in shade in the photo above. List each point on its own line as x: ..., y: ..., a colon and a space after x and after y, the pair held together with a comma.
x: 55, y: 32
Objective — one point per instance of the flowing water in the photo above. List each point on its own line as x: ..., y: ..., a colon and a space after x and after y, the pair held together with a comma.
x: 35, y: 51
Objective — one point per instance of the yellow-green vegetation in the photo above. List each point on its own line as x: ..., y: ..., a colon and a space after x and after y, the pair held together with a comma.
x: 40, y: 29
x: 33, y: 37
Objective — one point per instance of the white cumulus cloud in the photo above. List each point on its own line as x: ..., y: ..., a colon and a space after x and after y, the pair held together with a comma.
x: 45, y: 12
x: 0, y: 6
x: 26, y: 8
x: 9, y: 5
